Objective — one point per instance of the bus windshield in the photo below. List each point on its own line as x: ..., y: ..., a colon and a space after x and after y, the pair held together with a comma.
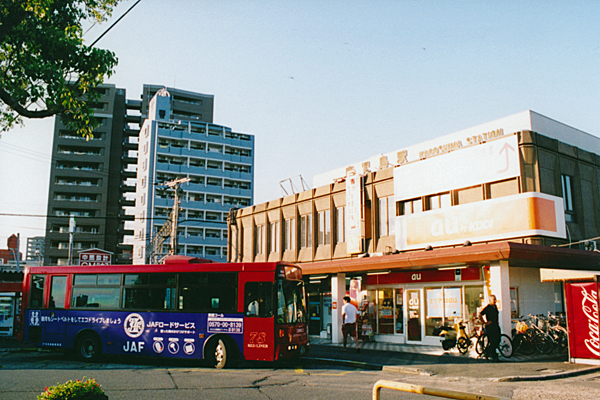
x: 290, y: 302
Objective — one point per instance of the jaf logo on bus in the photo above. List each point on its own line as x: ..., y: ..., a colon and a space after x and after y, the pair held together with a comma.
x: 134, y: 325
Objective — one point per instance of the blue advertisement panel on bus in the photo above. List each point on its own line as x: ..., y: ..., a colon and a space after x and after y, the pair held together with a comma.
x: 180, y: 335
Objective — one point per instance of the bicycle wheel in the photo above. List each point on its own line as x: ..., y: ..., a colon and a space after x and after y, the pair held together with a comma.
x: 543, y: 343
x: 523, y: 344
x: 561, y: 339
x: 505, y: 346
x: 483, y: 342
x: 463, y: 345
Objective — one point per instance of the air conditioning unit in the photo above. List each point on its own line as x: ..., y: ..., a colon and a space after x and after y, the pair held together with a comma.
x: 591, y: 245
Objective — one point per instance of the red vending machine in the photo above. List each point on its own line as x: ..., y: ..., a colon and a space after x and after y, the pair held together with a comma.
x: 582, y: 321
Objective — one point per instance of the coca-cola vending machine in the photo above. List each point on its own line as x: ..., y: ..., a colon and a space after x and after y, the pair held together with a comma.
x: 583, y: 323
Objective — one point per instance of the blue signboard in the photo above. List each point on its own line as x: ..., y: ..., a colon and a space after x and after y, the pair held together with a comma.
x: 143, y: 333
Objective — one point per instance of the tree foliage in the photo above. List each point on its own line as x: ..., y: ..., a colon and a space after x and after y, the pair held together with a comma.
x: 45, y: 67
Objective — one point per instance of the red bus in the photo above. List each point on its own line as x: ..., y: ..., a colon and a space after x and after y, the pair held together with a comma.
x: 186, y: 308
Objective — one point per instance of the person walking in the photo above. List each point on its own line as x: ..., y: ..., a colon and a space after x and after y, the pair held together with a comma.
x: 489, y: 316
x: 349, y: 314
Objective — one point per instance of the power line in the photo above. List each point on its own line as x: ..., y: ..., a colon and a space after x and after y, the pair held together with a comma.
x: 115, y: 23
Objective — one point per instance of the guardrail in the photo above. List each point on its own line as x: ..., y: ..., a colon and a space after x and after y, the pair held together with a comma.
x: 449, y: 394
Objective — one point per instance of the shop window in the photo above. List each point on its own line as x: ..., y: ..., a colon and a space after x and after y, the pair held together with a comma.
x: 567, y: 189
x: 443, y: 308
x: 399, y: 313
x: 473, y: 301
x: 385, y: 311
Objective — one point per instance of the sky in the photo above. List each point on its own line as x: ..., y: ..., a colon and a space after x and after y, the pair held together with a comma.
x: 324, y: 84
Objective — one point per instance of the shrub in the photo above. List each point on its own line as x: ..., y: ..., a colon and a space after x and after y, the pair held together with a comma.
x: 86, y: 389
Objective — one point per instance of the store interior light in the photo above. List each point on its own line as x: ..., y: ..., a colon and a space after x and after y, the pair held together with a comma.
x: 316, y: 277
x: 379, y: 272
x: 447, y: 268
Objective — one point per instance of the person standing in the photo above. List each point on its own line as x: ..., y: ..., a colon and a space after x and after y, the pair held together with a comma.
x: 489, y: 316
x: 349, y: 314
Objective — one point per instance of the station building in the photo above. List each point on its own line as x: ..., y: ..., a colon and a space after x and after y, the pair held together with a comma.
x: 421, y: 236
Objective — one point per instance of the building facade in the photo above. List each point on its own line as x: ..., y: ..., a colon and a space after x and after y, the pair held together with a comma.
x: 215, y: 167
x: 35, y: 249
x: 90, y: 179
x: 422, y: 236
x: 94, y: 180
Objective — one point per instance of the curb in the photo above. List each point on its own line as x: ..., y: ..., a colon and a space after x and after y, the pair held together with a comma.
x: 546, y: 377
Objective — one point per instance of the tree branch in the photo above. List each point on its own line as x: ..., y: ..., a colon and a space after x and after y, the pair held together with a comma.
x: 9, y: 101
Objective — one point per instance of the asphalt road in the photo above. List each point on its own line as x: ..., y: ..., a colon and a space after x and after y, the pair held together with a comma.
x: 23, y: 375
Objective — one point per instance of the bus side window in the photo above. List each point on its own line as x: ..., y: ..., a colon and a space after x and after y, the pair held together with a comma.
x: 58, y: 291
x: 36, y: 293
x: 258, y: 299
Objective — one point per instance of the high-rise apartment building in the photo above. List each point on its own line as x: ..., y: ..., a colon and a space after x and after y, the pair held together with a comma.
x: 94, y: 180
x: 35, y: 248
x: 89, y: 181
x: 178, y: 141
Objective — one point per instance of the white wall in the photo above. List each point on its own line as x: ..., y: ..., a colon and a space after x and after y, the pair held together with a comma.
x: 535, y: 297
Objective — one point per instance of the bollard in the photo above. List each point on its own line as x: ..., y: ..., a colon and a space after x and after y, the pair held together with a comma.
x: 449, y: 394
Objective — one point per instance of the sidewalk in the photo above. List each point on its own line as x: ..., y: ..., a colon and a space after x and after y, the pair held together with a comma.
x: 434, y: 361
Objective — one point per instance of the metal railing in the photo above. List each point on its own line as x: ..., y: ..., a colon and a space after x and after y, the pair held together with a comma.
x: 449, y: 394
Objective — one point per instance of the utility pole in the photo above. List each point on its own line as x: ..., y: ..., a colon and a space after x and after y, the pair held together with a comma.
x: 71, y: 232
x: 169, y: 229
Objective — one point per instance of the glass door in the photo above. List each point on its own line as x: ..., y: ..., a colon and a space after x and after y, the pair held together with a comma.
x: 415, y: 311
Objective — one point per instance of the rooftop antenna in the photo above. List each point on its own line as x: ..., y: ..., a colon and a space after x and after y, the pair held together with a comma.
x: 291, y: 185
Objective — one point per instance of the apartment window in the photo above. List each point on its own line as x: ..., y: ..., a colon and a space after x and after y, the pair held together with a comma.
x: 412, y: 206
x: 274, y: 237
x: 258, y: 239
x: 567, y: 188
x: 437, y: 201
x: 324, y: 228
x: 306, y: 231
x: 387, y: 216
x: 289, y: 236
x: 340, y: 221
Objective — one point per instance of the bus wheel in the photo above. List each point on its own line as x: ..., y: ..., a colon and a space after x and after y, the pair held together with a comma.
x: 89, y: 347
x: 218, y: 354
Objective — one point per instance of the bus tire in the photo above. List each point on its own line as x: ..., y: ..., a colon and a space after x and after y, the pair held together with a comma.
x: 88, y: 347
x: 218, y: 353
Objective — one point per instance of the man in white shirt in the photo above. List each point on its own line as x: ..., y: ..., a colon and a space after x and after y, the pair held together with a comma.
x: 349, y: 314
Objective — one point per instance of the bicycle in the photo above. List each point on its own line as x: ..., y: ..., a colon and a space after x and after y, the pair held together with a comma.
x: 522, y: 342
x: 543, y: 342
x: 505, y: 346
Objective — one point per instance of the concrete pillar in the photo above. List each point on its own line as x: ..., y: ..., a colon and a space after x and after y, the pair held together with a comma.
x: 338, y: 291
x: 500, y: 286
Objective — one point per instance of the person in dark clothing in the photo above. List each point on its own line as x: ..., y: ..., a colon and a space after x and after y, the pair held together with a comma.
x: 489, y: 316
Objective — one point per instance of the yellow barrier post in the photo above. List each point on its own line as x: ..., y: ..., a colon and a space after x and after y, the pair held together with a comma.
x: 449, y: 394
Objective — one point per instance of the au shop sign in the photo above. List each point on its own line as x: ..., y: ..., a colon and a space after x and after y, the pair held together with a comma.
x: 426, y: 276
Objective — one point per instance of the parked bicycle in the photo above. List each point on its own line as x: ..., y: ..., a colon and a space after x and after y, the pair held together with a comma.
x: 505, y: 346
